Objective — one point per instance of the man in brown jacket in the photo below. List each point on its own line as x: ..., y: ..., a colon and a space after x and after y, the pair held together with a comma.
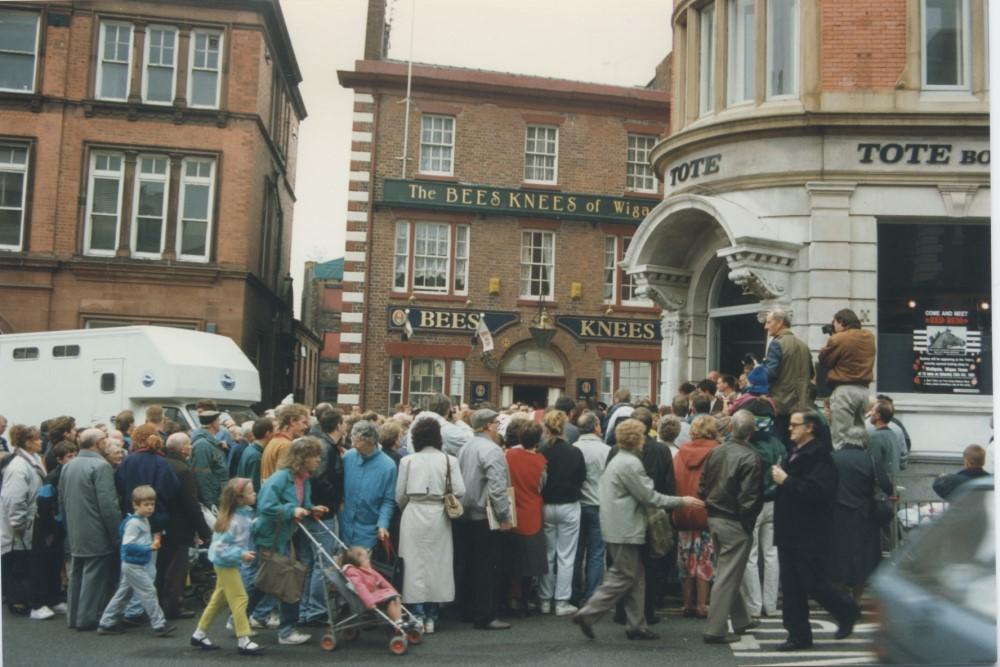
x: 732, y: 486
x: 789, y: 369
x: 849, y: 354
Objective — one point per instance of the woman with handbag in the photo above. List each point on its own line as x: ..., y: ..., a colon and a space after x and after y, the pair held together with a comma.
x: 854, y: 531
x: 284, y: 499
x: 428, y: 489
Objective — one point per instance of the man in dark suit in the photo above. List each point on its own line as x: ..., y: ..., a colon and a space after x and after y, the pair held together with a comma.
x: 803, y: 509
x: 185, y: 520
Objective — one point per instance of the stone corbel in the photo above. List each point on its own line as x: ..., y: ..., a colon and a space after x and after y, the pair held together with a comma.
x: 665, y: 286
x: 957, y: 197
x: 761, y: 267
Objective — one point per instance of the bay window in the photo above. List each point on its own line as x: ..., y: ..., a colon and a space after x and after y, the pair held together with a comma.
x: 782, y: 48
x: 706, y: 61
x: 741, y: 48
x: 946, y: 44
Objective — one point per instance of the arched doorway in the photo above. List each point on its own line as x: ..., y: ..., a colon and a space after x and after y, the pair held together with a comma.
x: 734, y: 330
x: 529, y: 374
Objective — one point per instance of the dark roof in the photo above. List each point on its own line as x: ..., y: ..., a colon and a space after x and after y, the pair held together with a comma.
x: 329, y: 270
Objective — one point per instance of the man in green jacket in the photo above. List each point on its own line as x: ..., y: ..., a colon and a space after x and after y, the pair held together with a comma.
x: 789, y: 369
x: 208, y: 459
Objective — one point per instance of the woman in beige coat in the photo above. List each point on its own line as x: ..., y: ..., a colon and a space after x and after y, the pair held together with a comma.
x: 425, y: 530
x: 23, y: 474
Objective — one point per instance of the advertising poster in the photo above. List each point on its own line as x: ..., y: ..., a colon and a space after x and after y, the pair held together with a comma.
x: 947, y: 353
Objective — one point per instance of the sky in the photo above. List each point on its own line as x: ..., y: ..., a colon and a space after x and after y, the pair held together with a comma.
x: 600, y: 41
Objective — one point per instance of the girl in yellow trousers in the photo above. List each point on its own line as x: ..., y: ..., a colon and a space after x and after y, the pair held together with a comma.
x: 230, y: 547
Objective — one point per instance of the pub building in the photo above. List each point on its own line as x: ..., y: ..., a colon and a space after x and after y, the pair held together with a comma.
x: 825, y: 158
x: 517, y: 200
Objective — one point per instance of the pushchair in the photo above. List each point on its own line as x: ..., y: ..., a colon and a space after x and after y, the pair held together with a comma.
x: 348, y: 615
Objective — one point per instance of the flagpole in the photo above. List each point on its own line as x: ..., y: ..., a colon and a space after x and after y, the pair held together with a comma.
x: 409, y: 82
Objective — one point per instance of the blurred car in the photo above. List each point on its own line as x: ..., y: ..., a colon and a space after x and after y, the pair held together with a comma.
x: 936, y: 597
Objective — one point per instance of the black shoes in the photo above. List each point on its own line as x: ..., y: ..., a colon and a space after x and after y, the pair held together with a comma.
x: 844, y: 630
x: 116, y: 629
x: 165, y: 630
x: 793, y: 645
x: 204, y: 644
x: 754, y: 623
x: 641, y: 634
x: 136, y: 621
x: 585, y: 626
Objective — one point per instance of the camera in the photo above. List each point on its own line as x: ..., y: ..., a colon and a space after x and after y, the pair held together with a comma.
x: 827, y: 329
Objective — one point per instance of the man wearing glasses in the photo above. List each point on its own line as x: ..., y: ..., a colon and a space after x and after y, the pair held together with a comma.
x: 803, y: 508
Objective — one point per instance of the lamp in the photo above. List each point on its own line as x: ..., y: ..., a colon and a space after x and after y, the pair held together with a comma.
x: 542, y: 328
x: 494, y: 289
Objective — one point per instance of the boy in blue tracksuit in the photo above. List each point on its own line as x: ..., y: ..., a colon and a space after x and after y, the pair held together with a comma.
x: 136, y: 551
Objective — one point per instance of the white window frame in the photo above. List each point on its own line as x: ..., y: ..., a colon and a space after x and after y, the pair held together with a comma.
x: 433, y: 362
x: 157, y: 178
x: 650, y: 373
x: 610, y: 242
x: 527, y: 234
x: 641, y: 171
x: 965, y: 48
x: 628, y: 281
x: 146, y: 65
x: 462, y: 272
x: 192, y: 68
x: 397, y: 396
x: 447, y: 257
x: 706, y: 59
x: 737, y: 91
x: 606, y: 392
x: 448, y: 148
x: 611, y: 380
x: 101, y: 60
x: 456, y: 369
x: 92, y: 176
x: 196, y: 180
x: 401, y: 252
x: 796, y: 51
x: 554, y: 155
x: 34, y: 55
x: 15, y: 168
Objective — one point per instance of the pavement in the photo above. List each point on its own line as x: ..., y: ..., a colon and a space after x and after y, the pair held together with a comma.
x: 537, y: 640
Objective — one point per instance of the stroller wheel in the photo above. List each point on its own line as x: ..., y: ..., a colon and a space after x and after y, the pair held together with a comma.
x: 350, y: 634
x: 414, y: 637
x: 397, y: 645
x: 328, y: 643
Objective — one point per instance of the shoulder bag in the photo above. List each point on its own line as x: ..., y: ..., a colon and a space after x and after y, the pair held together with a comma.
x: 452, y: 506
x: 659, y: 532
x: 882, y: 506
x: 388, y: 563
x: 282, y: 576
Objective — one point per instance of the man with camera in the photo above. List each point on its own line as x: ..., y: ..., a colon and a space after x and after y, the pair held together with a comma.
x: 849, y: 356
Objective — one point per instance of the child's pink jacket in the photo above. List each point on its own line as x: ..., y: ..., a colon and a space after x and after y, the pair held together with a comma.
x: 370, y: 586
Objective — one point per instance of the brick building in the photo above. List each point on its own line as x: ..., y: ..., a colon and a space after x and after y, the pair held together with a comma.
x: 826, y: 155
x: 517, y: 194
x: 322, y: 303
x: 147, y: 158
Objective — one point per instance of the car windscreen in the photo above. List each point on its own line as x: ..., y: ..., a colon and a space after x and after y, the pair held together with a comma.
x: 239, y: 413
x: 955, y: 558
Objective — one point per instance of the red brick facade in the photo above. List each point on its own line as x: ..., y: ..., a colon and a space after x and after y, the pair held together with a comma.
x: 51, y: 280
x: 863, y: 44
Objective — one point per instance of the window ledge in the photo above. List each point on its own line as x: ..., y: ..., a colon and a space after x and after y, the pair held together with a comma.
x: 437, y: 177
x: 535, y: 185
x: 533, y: 301
x: 419, y: 296
x: 640, y: 194
x: 633, y: 308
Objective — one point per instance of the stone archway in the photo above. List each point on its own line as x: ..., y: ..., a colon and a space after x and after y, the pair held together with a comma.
x: 674, y: 257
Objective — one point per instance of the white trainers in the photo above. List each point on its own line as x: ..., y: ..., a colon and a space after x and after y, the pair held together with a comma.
x: 428, y: 626
x: 42, y: 614
x: 547, y: 606
x: 60, y: 608
x: 294, y: 637
x: 273, y: 621
x: 564, y: 608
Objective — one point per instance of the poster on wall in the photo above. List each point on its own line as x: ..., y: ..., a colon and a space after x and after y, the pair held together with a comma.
x: 947, y: 353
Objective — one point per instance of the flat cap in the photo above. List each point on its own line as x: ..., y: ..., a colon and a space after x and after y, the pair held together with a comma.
x: 481, y: 418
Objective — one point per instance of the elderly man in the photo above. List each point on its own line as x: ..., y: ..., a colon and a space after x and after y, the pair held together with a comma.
x: 484, y: 471
x: 590, y: 549
x: 185, y: 520
x: 803, y: 510
x: 208, y: 459
x: 849, y: 354
x: 789, y: 368
x: 732, y: 487
x: 369, y: 489
x: 89, y: 505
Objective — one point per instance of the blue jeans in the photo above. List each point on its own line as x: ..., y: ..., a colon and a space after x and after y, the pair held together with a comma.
x: 591, y: 548
x: 425, y: 610
x: 267, y: 604
x: 289, y: 611
x: 313, y: 604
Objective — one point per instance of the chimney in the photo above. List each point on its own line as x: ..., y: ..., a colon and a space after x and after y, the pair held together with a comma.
x: 375, y: 37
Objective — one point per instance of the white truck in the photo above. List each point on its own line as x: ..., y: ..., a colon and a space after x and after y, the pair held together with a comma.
x: 93, y: 374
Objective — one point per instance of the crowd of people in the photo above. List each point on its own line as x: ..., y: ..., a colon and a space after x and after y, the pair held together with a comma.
x: 496, y: 513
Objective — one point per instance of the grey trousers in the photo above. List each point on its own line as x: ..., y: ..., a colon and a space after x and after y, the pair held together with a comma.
x: 848, y: 403
x: 89, y: 585
x: 136, y: 582
x: 732, y: 549
x: 625, y: 579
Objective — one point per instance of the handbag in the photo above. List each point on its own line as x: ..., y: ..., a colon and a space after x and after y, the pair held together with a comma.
x: 659, y: 532
x: 882, y: 506
x: 491, y: 516
x: 452, y: 507
x: 388, y: 563
x: 282, y: 576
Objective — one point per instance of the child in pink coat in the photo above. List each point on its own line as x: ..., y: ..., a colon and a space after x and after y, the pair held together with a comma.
x: 370, y: 586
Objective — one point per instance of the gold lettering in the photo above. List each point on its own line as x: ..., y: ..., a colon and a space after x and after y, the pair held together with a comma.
x: 571, y: 204
x: 557, y: 203
x: 543, y: 202
x: 621, y: 331
x: 473, y: 320
x: 426, y: 318
x: 480, y: 197
x: 515, y: 199
x: 586, y: 328
x: 413, y: 190
x: 649, y: 331
x: 451, y: 195
x: 466, y: 196
x: 619, y: 206
x: 633, y: 330
x: 529, y: 200
x: 459, y: 321
x: 604, y: 329
x: 495, y: 199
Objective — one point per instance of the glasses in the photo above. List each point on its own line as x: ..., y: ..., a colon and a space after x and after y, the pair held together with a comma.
x: 794, y: 424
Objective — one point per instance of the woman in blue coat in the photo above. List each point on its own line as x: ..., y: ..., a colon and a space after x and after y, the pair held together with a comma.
x: 284, y: 499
